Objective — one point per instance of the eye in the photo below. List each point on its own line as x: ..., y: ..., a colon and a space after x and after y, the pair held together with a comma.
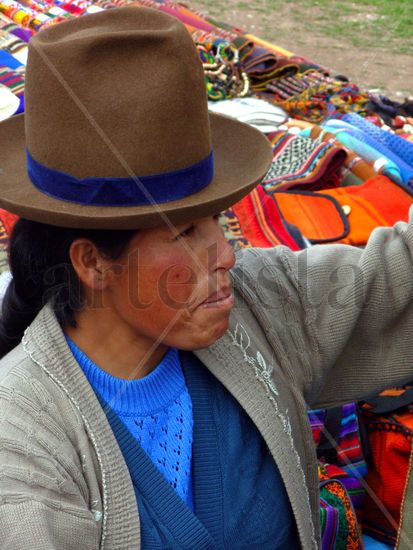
x: 186, y: 232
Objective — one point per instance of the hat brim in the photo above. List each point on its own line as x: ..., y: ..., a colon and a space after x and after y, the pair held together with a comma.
x: 242, y: 158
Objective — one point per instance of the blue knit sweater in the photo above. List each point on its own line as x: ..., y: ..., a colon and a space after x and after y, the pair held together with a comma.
x: 239, y: 498
x: 156, y: 409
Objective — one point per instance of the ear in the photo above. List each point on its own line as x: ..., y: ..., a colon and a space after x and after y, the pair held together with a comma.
x: 91, y: 268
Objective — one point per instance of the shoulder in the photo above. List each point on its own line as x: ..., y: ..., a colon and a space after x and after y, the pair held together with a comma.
x: 266, y: 277
x: 255, y: 263
x: 44, y: 481
x: 13, y: 359
x: 30, y: 397
x: 21, y: 375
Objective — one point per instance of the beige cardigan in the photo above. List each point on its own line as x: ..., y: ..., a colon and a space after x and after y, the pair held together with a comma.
x: 321, y: 327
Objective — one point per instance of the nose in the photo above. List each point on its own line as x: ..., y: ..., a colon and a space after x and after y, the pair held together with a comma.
x: 221, y: 255
x: 226, y: 258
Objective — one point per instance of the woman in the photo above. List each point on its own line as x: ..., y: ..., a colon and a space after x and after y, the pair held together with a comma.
x: 158, y: 397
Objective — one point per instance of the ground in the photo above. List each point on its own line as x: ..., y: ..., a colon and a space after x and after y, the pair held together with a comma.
x: 371, y: 41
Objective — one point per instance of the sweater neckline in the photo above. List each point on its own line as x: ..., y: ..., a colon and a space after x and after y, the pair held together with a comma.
x: 142, y: 396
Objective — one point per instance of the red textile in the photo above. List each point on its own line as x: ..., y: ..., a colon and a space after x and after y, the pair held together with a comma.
x: 261, y: 221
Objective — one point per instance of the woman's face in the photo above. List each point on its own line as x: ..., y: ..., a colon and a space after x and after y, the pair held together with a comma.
x: 171, y: 285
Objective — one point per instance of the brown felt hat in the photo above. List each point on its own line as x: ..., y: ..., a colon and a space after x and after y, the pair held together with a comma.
x: 117, y: 133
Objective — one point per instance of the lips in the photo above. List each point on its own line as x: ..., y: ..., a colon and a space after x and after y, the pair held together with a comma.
x: 221, y: 295
x: 220, y: 299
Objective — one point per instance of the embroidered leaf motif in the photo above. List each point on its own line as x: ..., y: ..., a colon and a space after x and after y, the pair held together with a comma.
x: 241, y: 339
x: 264, y: 372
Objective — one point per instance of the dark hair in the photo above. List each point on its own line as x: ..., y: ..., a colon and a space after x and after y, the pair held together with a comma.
x: 42, y: 272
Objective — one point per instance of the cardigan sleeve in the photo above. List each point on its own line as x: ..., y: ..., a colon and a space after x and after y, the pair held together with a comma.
x: 342, y: 315
x: 44, y: 498
x: 35, y: 525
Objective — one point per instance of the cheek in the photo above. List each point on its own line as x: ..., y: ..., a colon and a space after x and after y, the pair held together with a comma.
x: 158, y: 293
x: 177, y: 287
x: 154, y: 298
x: 155, y: 315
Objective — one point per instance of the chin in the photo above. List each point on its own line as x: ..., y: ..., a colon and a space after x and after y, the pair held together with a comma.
x: 212, y: 336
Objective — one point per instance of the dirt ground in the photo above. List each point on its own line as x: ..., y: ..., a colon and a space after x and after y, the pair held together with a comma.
x: 388, y: 72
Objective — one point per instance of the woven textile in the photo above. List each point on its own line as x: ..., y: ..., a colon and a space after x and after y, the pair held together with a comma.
x: 9, y: 42
x: 261, y: 221
x: 399, y: 146
x: 354, y: 163
x: 346, y: 214
x: 302, y: 163
x: 377, y: 203
x: 382, y: 149
x: 13, y: 79
x: 383, y: 161
x: 338, y: 520
x: 16, y: 30
x: 313, y: 95
x: 303, y: 88
x: 318, y: 216
x: 232, y: 230
x: 388, y: 423
x: 350, y: 456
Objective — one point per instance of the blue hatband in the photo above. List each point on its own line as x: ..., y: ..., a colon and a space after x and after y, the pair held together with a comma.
x: 133, y: 191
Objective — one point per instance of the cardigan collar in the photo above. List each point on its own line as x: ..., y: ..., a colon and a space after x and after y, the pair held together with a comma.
x: 118, y: 495
x: 243, y: 362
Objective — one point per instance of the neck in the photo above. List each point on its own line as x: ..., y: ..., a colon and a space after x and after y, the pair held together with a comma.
x: 113, y: 346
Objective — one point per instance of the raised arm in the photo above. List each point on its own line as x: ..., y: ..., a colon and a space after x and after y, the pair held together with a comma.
x: 344, y: 314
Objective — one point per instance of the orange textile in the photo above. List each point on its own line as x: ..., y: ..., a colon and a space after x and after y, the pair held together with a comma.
x: 351, y: 214
x: 272, y: 47
x: 319, y: 218
x: 377, y: 202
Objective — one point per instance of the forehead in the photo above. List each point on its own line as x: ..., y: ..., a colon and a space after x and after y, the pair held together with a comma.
x: 154, y: 236
x: 166, y: 230
x: 169, y: 229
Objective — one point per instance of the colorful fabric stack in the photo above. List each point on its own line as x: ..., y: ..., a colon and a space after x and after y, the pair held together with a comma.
x: 349, y: 453
x: 339, y: 524
x: 236, y: 63
x: 302, y: 163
